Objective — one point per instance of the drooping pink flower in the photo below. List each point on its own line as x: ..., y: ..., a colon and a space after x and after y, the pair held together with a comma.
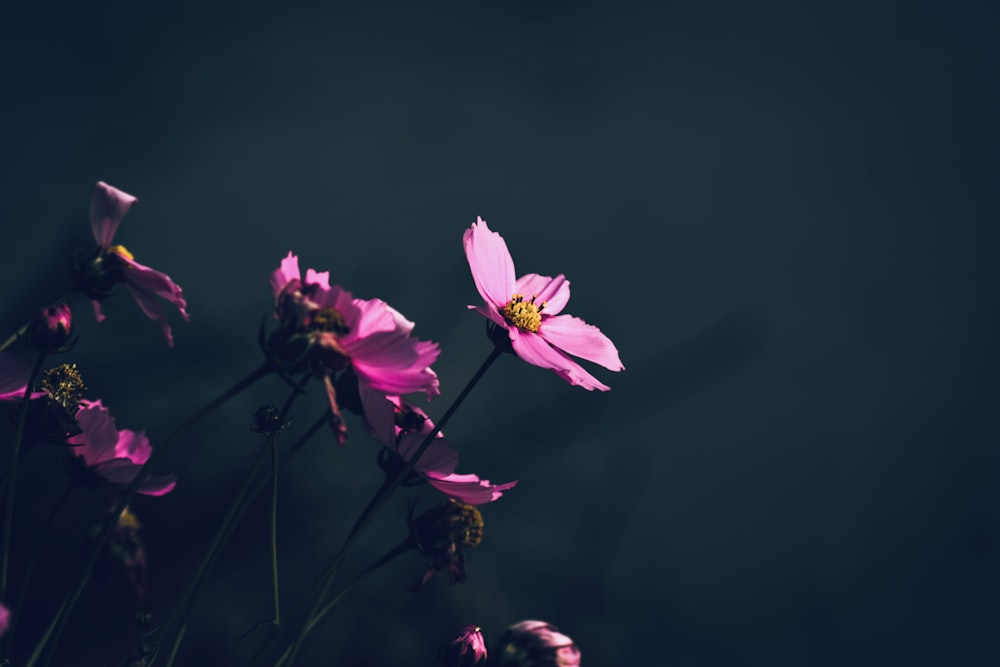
x: 528, y: 309
x: 466, y: 650
x: 402, y: 427
x: 115, y: 455
x: 114, y: 263
x: 4, y: 619
x: 536, y: 644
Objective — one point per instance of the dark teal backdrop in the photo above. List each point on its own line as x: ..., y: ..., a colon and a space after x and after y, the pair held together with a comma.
x: 784, y: 214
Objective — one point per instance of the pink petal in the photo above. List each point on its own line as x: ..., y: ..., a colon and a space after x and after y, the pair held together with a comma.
x: 97, y: 310
x: 156, y: 283
x: 152, y: 309
x: 285, y: 273
x: 490, y: 262
x: 133, y: 445
x: 469, y: 488
x: 533, y: 349
x: 4, y: 619
x: 121, y: 472
x: 108, y: 206
x: 97, y: 442
x: 439, y: 459
x: 368, y: 317
x: 573, y: 335
x: 394, y: 363
x: 490, y: 312
x: 553, y: 291
x: 317, y: 278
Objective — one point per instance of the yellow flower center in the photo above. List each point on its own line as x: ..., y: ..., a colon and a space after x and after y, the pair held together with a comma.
x: 329, y: 319
x: 523, y: 314
x: 465, y: 525
x: 64, y: 385
x: 122, y: 251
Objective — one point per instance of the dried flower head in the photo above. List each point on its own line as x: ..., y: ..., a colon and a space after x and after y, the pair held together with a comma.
x: 468, y: 649
x: 442, y: 532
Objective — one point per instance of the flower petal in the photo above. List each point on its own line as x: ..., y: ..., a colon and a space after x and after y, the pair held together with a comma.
x: 490, y: 262
x: 317, y: 278
x: 14, y: 373
x: 379, y: 413
x: 553, y: 291
x: 108, y: 205
x: 133, y: 445
x: 533, y: 349
x: 121, y: 472
x: 97, y: 310
x: 573, y: 335
x: 285, y: 273
x: 468, y: 488
x: 155, y: 282
x: 99, y: 437
x: 439, y: 459
x: 152, y: 309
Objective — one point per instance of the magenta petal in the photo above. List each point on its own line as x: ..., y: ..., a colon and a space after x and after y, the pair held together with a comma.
x: 574, y: 336
x: 533, y: 349
x: 108, y: 206
x: 468, y: 488
x: 491, y: 313
x: 121, y: 472
x: 439, y: 459
x: 152, y: 309
x: 318, y: 278
x: 554, y: 292
x: 4, y: 619
x: 133, y: 445
x: 285, y: 273
x: 490, y: 262
x: 97, y: 310
x: 98, y: 438
x: 379, y: 413
x: 394, y: 363
x: 156, y: 283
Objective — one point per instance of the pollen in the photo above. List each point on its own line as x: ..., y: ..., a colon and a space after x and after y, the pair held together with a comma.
x: 524, y: 315
x: 466, y: 525
x: 329, y: 319
x: 64, y: 385
x: 122, y: 251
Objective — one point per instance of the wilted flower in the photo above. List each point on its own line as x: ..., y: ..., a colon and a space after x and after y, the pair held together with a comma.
x: 402, y: 428
x: 466, y: 650
x: 442, y: 532
x: 125, y: 551
x: 325, y: 330
x: 4, y: 619
x: 114, y: 263
x: 116, y: 456
x: 536, y: 332
x: 536, y: 644
x: 51, y: 329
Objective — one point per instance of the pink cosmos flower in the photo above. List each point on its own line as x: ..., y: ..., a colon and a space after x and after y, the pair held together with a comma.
x: 372, y: 335
x: 537, y: 644
x: 538, y: 334
x: 115, y: 455
x: 466, y: 650
x: 402, y: 427
x: 114, y: 263
x: 4, y: 619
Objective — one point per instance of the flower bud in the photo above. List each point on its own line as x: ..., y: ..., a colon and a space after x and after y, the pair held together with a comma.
x: 442, y: 532
x: 537, y: 644
x: 51, y: 329
x: 466, y: 650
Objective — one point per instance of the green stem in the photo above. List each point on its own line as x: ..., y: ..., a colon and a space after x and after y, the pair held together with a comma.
x: 274, y: 531
x: 54, y: 630
x: 392, y: 554
x: 8, y: 522
x: 30, y: 571
x: 222, y: 535
x: 379, y: 500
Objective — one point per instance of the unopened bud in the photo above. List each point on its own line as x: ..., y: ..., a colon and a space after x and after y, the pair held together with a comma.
x: 466, y: 650
x: 51, y: 329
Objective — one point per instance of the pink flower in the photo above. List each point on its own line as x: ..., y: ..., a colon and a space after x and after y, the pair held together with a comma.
x: 115, y: 455
x: 466, y: 650
x: 537, y: 644
x: 538, y: 334
x: 114, y: 263
x: 402, y: 428
x: 51, y: 328
x: 325, y: 330
x: 4, y: 619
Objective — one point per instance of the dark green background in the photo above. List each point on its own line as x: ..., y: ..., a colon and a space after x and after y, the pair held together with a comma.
x: 784, y: 214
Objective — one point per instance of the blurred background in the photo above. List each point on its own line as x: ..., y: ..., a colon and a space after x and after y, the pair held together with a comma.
x: 783, y: 214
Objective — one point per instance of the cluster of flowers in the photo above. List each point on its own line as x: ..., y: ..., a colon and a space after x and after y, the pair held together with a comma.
x: 362, y: 352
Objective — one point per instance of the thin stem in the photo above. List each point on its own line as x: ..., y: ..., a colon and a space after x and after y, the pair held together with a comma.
x: 22, y: 417
x: 274, y: 531
x: 392, y: 554
x: 30, y: 571
x: 380, y: 499
x: 177, y: 644
x: 222, y: 535
x: 54, y: 630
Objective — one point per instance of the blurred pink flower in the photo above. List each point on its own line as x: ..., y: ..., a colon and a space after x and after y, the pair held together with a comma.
x: 4, y: 619
x: 536, y: 644
x: 114, y: 263
x: 115, y: 455
x: 373, y: 336
x: 466, y: 650
x: 538, y: 334
x: 402, y: 427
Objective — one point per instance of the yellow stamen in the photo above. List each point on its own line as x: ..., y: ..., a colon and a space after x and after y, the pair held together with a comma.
x: 524, y: 315
x: 329, y: 319
x: 64, y: 385
x: 122, y: 251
